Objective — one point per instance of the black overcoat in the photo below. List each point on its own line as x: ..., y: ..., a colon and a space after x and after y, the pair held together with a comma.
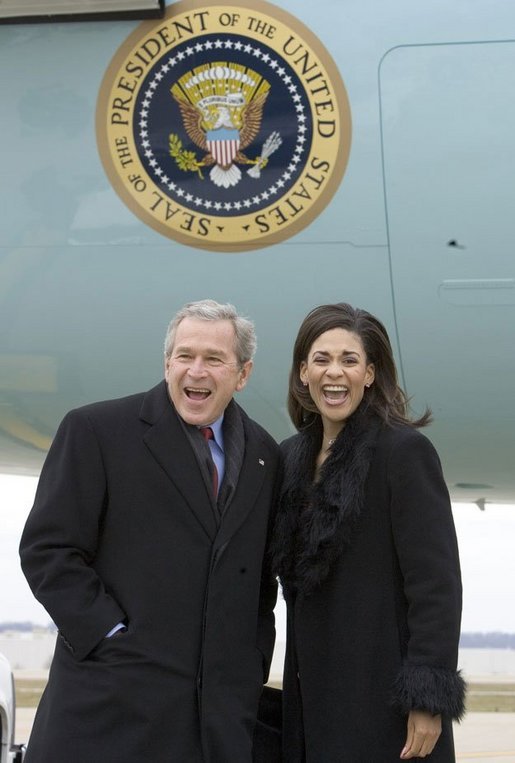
x: 374, y: 614
x: 123, y: 529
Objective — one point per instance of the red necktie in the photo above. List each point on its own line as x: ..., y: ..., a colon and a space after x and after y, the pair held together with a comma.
x: 207, y: 434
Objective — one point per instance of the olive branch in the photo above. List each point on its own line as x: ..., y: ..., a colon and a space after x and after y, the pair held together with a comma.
x: 185, y: 160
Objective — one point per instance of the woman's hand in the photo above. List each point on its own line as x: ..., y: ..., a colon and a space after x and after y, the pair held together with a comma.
x: 423, y: 732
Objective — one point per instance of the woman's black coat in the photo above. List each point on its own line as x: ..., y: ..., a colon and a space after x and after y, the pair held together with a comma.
x: 372, y: 584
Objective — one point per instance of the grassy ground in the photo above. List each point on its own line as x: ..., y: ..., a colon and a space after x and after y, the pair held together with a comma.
x: 28, y: 691
x: 491, y: 698
x: 481, y: 698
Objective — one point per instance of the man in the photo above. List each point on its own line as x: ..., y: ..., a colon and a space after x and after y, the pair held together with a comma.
x: 145, y: 544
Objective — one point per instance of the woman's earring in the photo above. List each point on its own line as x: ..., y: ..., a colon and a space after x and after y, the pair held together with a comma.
x: 305, y: 383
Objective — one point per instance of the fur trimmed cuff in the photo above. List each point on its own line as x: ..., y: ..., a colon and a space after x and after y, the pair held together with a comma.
x: 436, y: 690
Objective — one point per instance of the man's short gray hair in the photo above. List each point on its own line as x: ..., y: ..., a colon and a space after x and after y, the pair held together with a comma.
x: 209, y: 310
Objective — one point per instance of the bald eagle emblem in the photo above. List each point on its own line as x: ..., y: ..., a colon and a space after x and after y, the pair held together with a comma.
x: 221, y: 106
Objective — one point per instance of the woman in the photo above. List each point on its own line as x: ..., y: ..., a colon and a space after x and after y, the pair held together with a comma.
x: 366, y: 550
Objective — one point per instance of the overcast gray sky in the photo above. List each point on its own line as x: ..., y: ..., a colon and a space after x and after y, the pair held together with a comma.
x: 486, y: 540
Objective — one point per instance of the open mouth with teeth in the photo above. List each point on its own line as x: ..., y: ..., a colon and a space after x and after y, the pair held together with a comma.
x: 197, y: 393
x: 335, y: 394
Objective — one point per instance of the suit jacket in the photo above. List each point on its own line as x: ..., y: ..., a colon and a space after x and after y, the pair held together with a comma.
x: 123, y: 528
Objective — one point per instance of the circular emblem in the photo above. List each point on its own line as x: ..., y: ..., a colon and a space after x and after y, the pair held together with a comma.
x: 224, y: 126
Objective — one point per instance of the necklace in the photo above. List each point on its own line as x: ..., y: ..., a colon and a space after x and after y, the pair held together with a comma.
x: 330, y: 443
x: 324, y: 453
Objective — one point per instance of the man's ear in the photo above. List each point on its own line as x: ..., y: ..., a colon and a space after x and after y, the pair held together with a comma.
x: 244, y: 375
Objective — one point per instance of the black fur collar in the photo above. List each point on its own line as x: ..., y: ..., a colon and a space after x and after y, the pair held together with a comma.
x: 315, y: 521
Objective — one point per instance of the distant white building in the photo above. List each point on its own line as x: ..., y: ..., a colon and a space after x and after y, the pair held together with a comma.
x: 495, y: 663
x: 34, y: 650
x: 28, y: 651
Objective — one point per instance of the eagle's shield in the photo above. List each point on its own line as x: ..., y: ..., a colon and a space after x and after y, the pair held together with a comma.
x: 223, y: 145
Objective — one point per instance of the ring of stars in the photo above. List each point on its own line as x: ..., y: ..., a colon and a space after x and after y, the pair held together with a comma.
x: 300, y: 146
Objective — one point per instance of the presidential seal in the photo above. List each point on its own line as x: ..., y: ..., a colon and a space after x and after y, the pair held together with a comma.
x: 224, y: 126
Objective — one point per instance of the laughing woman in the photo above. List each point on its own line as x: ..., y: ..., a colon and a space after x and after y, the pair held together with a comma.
x: 366, y: 551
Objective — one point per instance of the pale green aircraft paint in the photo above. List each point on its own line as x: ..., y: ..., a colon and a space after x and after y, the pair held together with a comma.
x: 420, y: 232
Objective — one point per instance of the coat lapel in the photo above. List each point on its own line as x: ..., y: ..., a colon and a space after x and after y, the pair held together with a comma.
x: 255, y: 467
x: 168, y: 444
x: 234, y: 451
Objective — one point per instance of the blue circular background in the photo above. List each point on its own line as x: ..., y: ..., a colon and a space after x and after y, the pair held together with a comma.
x: 279, y: 114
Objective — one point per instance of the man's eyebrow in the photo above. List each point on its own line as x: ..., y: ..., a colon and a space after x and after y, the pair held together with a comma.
x: 205, y: 351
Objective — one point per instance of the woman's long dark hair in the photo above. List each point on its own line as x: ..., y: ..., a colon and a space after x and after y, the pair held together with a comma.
x: 384, y: 397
